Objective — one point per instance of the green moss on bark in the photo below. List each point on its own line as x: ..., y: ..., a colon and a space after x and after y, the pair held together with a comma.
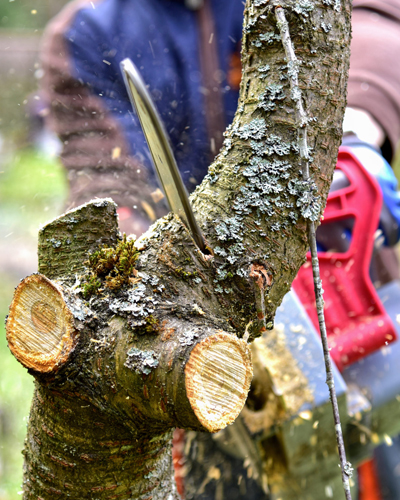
x: 111, y: 267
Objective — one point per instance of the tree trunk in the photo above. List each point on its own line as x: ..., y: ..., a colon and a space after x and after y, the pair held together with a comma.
x: 122, y: 358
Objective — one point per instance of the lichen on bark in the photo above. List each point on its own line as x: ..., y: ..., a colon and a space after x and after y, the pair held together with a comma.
x: 253, y: 202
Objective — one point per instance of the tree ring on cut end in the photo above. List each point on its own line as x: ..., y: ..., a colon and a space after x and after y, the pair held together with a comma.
x: 40, y: 327
x: 217, y: 377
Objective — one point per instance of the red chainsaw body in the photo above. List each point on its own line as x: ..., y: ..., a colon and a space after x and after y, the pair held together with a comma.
x: 356, y: 321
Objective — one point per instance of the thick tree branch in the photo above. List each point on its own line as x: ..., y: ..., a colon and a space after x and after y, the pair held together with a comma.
x: 157, y: 342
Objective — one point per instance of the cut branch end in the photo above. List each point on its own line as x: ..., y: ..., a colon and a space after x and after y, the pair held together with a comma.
x: 218, y: 377
x: 40, y: 327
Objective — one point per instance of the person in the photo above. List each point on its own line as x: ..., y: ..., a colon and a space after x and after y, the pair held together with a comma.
x: 187, y: 53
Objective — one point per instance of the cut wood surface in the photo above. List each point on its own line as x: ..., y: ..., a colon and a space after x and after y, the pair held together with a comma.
x: 40, y: 328
x: 218, y: 376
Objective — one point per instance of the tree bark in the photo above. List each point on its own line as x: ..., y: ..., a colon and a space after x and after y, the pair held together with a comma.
x: 169, y: 348
x: 114, y: 373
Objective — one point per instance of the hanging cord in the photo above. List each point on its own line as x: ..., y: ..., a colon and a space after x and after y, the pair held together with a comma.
x: 301, y: 121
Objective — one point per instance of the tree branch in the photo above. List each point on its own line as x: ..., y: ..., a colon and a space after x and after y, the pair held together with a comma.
x: 159, y: 338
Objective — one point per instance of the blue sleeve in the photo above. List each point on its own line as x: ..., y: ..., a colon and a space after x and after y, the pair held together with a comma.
x: 95, y: 64
x: 161, y: 39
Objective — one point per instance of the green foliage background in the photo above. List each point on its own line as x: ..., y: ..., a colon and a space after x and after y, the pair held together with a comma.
x: 20, y: 14
x: 20, y: 20
x: 32, y: 191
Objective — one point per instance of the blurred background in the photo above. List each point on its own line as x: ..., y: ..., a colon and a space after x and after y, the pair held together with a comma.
x: 32, y: 191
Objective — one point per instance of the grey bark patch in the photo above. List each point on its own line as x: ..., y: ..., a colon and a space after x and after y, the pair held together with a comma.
x: 141, y: 361
x: 188, y: 337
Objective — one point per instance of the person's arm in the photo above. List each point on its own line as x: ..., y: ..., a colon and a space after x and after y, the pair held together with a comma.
x: 95, y: 150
